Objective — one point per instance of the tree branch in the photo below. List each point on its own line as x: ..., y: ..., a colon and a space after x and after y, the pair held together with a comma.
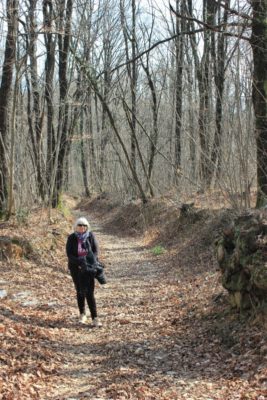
x: 214, y: 28
x: 150, y: 49
x: 232, y: 11
x: 190, y: 32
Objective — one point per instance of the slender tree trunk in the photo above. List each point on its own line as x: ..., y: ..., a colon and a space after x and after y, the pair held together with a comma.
x: 191, y: 122
x: 5, y: 92
x: 12, y: 149
x: 179, y: 55
x: 131, y: 70
x: 92, y: 154
x: 219, y: 74
x: 35, y: 113
x: 204, y: 79
x: 105, y: 128
x: 63, y: 118
x: 128, y: 116
x: 83, y: 158
x: 155, y: 131
x: 50, y: 43
x: 97, y: 123
x: 124, y: 149
x: 133, y: 86
x: 259, y: 47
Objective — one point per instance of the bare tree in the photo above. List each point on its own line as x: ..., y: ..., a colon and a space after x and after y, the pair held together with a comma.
x: 35, y: 109
x: 5, y: 93
x: 64, y: 36
x: 219, y: 61
x: 130, y: 36
x: 50, y: 44
x: 259, y: 46
x: 179, y: 65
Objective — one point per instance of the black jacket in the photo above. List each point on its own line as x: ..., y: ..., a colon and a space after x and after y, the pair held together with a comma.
x: 72, y: 249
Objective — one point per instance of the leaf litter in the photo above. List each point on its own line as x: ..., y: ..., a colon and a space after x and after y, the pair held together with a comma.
x: 168, y: 332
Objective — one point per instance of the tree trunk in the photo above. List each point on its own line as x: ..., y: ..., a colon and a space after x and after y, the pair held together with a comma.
x: 63, y: 117
x: 12, y: 149
x: 83, y: 158
x: 131, y: 70
x: 219, y: 73
x: 179, y: 56
x: 259, y: 47
x: 35, y: 113
x: 133, y: 86
x: 124, y: 149
x: 49, y: 76
x: 204, y: 78
x: 5, y: 91
x: 155, y: 131
x: 92, y: 153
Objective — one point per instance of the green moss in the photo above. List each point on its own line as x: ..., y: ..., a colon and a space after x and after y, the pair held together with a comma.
x: 235, y: 282
x: 259, y: 277
x: 261, y: 198
x: 63, y: 208
x: 157, y: 250
x: 22, y: 215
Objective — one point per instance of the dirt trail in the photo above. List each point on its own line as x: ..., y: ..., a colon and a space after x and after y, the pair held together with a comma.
x: 153, y: 343
x: 160, y: 338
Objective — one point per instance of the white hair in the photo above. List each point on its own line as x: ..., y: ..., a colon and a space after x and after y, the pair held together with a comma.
x: 83, y: 221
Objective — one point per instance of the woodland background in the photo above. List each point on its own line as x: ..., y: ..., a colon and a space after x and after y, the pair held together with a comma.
x: 139, y: 98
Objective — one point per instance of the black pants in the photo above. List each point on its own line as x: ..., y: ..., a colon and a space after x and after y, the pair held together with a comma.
x: 85, y: 287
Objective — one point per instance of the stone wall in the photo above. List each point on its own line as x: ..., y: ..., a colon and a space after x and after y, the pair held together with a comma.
x: 241, y: 251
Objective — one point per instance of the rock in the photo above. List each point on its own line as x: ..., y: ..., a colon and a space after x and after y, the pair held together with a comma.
x: 9, y: 250
x: 263, y: 350
x: 241, y: 252
x: 14, y: 248
x: 3, y: 293
x: 139, y: 350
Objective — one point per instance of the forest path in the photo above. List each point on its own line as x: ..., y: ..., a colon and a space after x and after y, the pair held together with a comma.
x: 163, y: 336
x: 155, y: 342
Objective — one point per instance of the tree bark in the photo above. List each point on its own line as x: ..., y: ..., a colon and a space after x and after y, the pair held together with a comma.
x: 204, y: 78
x: 5, y: 92
x: 131, y: 70
x: 50, y: 43
x: 133, y: 85
x: 35, y: 112
x: 219, y: 74
x: 83, y: 158
x: 63, y: 117
x: 179, y: 56
x: 259, y: 94
x: 155, y: 132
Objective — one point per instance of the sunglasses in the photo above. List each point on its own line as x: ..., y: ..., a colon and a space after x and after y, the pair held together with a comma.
x: 81, y: 225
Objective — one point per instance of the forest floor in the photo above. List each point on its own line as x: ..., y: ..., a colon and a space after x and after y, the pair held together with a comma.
x: 168, y: 331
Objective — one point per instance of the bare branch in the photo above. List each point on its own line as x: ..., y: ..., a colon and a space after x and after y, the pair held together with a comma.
x: 214, y: 28
x: 190, y: 32
x: 232, y: 11
x: 150, y: 49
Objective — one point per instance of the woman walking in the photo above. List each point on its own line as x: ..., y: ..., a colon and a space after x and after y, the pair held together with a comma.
x: 82, y: 244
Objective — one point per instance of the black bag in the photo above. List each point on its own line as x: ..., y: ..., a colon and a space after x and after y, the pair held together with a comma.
x: 93, y: 266
x: 85, y: 267
x: 99, y: 274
